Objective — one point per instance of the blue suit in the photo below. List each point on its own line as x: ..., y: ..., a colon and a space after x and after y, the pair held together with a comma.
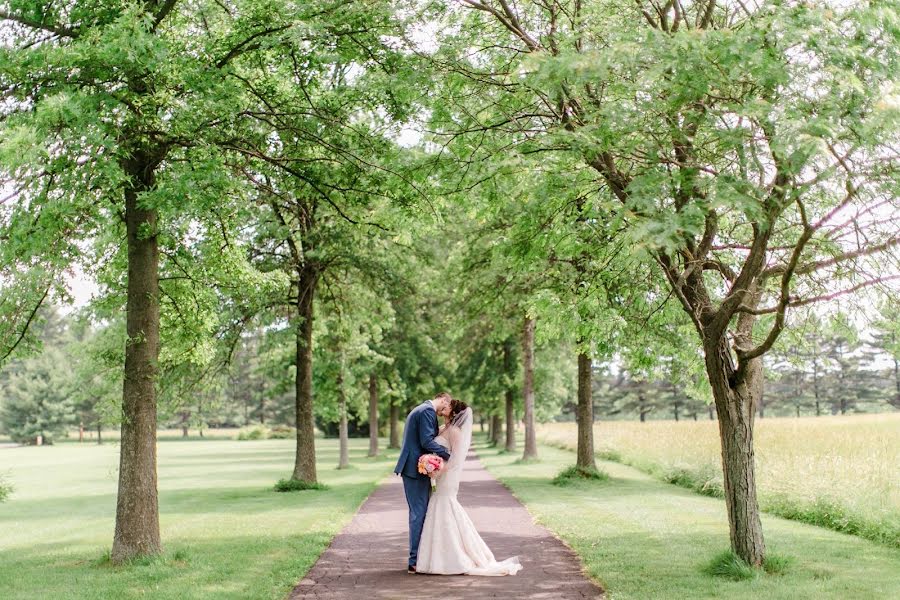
x: 418, y: 439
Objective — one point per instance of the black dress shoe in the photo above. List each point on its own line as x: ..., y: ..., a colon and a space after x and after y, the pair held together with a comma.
x: 411, y: 570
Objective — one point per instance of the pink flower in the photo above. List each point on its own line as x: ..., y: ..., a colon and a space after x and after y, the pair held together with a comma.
x: 430, y: 464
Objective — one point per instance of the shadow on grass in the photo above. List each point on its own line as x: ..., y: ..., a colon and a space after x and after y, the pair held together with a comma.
x: 237, y: 566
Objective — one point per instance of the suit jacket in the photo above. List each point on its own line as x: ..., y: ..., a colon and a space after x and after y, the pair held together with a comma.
x: 418, y: 439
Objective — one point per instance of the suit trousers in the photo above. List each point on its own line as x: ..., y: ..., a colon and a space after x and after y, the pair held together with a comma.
x: 418, y: 491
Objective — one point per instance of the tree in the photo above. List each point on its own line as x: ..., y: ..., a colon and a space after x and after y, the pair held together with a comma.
x: 886, y: 339
x: 736, y: 146
x: 37, y: 404
x: 317, y: 155
x: 120, y: 151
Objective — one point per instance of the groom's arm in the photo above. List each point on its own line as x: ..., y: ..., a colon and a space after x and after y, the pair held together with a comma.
x: 427, y: 433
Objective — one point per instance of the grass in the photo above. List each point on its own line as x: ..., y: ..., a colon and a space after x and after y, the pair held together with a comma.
x: 226, y: 533
x: 643, y: 539
x: 574, y: 473
x: 6, y: 488
x: 730, y: 566
x: 298, y: 485
x: 835, y: 472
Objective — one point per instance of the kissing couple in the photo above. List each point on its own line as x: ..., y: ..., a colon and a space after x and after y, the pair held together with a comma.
x: 442, y: 538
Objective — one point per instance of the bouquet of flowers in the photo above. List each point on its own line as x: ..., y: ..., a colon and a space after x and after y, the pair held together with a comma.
x: 430, y: 464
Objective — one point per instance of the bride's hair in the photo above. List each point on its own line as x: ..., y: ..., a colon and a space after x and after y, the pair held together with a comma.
x: 457, y: 408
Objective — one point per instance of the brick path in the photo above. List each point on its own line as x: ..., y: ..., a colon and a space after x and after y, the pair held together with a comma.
x: 367, y: 560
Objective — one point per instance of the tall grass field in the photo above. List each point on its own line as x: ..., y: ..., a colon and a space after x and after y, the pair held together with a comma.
x: 839, y: 472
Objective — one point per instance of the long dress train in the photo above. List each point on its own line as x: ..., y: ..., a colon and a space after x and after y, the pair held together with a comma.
x: 450, y: 544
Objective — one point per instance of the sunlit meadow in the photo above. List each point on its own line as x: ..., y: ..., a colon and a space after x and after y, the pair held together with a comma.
x: 851, y: 461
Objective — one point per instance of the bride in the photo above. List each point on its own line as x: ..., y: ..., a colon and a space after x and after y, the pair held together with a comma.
x: 450, y: 544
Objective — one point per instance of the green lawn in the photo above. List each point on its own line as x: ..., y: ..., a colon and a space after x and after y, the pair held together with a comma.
x: 225, y: 533
x: 643, y: 539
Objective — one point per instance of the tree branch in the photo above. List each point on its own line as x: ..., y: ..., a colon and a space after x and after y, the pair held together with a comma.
x: 60, y: 30
x: 26, y: 326
x: 821, y: 264
x: 821, y: 298
x: 246, y: 44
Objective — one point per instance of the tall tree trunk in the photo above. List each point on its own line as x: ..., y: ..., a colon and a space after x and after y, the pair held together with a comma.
x: 344, y: 459
x: 509, y: 368
x: 528, y: 387
x: 137, y: 505
x: 99, y: 432
x: 184, y: 423
x: 736, y: 406
x: 305, y: 459
x: 585, y: 414
x: 496, y: 430
x: 373, y: 415
x: 395, y: 424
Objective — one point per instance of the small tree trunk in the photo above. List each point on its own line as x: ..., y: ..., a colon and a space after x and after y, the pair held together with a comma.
x: 509, y: 369
x: 262, y: 397
x: 496, y: 430
x: 528, y: 388
x: 344, y: 460
x: 675, y: 402
x: 395, y: 425
x: 80, y: 431
x: 184, y: 423
x: 896, y: 402
x: 99, y: 432
x: 585, y: 415
x: 712, y: 411
x: 816, y: 386
x: 736, y: 407
x: 305, y: 459
x: 137, y: 505
x: 373, y: 415
x: 200, y: 415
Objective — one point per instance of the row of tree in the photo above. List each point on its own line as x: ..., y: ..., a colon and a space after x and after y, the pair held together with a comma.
x: 655, y: 182
x: 822, y: 367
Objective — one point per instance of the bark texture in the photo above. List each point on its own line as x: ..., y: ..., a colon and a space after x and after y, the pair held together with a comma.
x: 305, y: 458
x: 137, y: 505
x: 585, y: 415
x: 528, y: 387
x: 509, y: 368
x: 344, y: 442
x: 395, y: 425
x: 735, y: 401
x: 373, y: 415
x: 496, y: 430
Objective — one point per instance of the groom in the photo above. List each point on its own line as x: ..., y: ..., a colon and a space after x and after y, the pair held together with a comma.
x: 418, y: 439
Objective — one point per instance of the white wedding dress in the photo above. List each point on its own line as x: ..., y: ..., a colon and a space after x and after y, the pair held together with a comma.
x: 450, y: 544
